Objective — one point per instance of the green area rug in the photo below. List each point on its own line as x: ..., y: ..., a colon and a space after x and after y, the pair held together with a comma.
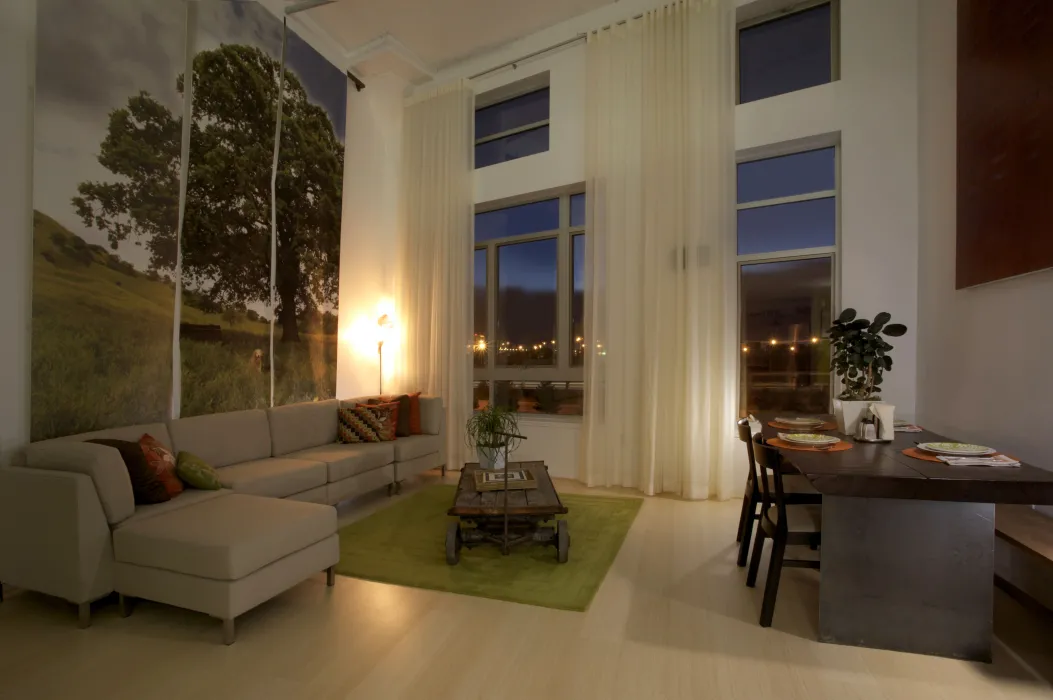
x: 405, y: 544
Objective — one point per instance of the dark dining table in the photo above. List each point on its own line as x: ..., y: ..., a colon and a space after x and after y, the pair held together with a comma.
x: 908, y: 545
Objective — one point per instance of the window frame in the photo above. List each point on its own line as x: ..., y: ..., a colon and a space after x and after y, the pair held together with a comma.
x: 835, y: 39
x: 831, y: 252
x: 506, y: 93
x: 563, y: 370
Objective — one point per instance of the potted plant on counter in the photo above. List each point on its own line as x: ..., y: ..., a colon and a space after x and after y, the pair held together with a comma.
x: 487, y: 433
x: 860, y: 358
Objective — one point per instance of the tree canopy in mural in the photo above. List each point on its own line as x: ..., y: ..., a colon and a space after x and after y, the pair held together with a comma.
x: 226, y: 236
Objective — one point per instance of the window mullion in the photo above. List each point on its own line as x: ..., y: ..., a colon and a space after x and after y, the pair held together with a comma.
x: 491, y: 318
x: 563, y: 286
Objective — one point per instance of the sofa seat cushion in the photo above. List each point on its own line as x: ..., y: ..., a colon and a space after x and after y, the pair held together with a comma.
x: 189, y: 497
x: 416, y: 446
x: 345, y: 461
x: 224, y: 538
x: 276, y: 477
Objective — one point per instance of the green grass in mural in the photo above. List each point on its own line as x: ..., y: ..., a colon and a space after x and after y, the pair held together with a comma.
x: 102, y: 348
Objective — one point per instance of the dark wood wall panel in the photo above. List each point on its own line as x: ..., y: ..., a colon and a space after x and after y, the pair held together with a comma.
x: 1005, y: 139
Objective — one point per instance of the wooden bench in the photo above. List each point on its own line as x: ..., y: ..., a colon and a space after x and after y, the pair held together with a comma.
x: 1025, y: 569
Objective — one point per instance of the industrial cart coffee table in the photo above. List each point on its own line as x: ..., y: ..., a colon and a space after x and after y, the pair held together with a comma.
x: 506, y: 517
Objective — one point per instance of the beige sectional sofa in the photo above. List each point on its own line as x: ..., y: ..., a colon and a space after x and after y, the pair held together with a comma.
x: 69, y: 525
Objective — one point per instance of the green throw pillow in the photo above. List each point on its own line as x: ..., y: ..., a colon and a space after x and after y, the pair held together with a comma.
x: 196, y: 472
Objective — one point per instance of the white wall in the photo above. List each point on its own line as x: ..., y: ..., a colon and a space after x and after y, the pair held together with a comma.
x: 372, y: 162
x: 872, y: 111
x: 17, y: 31
x: 985, y: 352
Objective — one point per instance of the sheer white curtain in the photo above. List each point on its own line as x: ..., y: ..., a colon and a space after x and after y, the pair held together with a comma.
x: 660, y: 377
x: 435, y: 254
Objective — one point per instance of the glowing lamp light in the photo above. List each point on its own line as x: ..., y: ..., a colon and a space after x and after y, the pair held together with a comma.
x: 793, y: 348
x: 814, y: 340
x: 745, y: 349
x: 481, y: 345
x: 774, y: 341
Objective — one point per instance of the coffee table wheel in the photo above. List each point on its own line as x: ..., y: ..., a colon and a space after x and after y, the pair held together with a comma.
x: 562, y: 541
x: 453, y: 543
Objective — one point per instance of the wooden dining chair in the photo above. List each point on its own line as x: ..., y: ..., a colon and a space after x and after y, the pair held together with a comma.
x: 784, y: 523
x: 797, y: 489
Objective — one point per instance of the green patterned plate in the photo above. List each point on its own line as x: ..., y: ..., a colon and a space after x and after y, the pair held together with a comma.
x: 962, y: 449
x: 809, y: 438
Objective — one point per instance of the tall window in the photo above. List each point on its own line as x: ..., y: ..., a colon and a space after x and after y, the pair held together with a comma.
x: 787, y: 243
x: 788, y: 52
x: 511, y: 128
x: 529, y: 306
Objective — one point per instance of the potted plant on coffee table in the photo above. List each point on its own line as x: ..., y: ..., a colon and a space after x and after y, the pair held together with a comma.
x: 487, y: 433
x: 860, y: 358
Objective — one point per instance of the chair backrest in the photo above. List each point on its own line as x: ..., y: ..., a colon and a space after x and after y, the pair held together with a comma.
x: 746, y: 435
x: 770, y: 462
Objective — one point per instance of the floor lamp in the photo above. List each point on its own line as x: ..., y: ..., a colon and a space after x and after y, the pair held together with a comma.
x: 385, y: 325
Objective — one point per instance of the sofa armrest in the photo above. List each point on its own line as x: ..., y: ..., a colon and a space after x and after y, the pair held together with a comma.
x: 432, y: 415
x: 54, y: 537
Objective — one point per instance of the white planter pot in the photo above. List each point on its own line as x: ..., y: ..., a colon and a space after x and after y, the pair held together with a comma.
x: 491, y: 457
x: 849, y: 413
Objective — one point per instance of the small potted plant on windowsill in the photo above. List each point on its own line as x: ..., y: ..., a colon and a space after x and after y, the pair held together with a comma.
x: 860, y: 357
x: 487, y: 433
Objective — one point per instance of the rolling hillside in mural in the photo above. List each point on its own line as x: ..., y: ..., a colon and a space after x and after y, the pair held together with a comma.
x: 107, y: 177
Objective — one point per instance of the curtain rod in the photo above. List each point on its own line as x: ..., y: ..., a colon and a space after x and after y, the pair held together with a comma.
x: 580, y: 37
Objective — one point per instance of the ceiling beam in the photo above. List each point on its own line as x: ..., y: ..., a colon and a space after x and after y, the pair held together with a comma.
x: 387, y: 43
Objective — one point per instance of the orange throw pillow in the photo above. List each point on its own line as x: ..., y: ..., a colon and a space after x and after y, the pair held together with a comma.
x: 163, y: 462
x: 414, y: 414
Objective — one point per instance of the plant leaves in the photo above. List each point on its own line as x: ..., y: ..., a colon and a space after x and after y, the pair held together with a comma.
x: 895, y: 330
x: 846, y: 316
x: 879, y: 321
x: 888, y: 362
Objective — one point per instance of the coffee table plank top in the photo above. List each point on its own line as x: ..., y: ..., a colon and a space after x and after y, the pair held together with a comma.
x: 543, y: 500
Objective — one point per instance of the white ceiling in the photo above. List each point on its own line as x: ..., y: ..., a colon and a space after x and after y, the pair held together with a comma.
x: 428, y: 35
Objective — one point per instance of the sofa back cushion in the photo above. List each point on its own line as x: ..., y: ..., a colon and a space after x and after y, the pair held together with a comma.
x: 223, y: 439
x: 103, y: 464
x: 299, y: 426
x: 131, y: 433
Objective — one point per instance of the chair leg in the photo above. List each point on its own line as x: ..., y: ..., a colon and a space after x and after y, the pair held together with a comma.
x: 228, y: 631
x: 758, y: 552
x: 330, y: 576
x: 743, y: 515
x: 771, y: 588
x: 84, y: 615
x: 747, y: 533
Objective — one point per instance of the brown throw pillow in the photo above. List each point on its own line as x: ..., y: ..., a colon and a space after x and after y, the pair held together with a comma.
x: 163, y: 462
x: 388, y: 416
x: 414, y: 414
x: 358, y: 425
x: 146, y: 487
x: 402, y: 427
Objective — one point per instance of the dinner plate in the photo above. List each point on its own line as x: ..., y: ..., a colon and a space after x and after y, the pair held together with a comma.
x: 801, y: 422
x: 960, y: 449
x: 809, y: 438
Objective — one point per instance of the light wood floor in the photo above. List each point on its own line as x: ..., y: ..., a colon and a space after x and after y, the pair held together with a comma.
x: 673, y: 619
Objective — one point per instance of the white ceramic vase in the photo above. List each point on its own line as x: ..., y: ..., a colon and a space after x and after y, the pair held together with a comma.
x: 849, y: 413
x: 491, y: 457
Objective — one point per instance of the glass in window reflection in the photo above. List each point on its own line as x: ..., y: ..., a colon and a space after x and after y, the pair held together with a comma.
x: 526, y: 304
x: 525, y: 143
x: 785, y: 54
x: 577, y: 303
x: 784, y: 354
x: 480, y: 394
x: 517, y: 221
x: 479, y: 339
x: 808, y: 224
x: 559, y: 398
x: 512, y: 114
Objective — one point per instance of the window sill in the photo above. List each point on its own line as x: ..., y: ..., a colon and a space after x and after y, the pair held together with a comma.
x: 548, y: 419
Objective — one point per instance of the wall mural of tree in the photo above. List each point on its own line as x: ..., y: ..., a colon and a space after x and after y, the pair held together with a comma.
x: 130, y: 206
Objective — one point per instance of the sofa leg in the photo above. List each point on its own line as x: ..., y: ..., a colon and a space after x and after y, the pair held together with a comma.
x: 84, y: 615
x: 444, y: 470
x: 391, y: 490
x: 398, y: 487
x: 1, y: 591
x: 126, y: 604
x: 330, y: 576
x: 228, y: 631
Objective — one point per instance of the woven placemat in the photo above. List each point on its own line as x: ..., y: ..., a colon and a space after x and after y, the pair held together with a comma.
x: 829, y: 425
x: 782, y: 444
